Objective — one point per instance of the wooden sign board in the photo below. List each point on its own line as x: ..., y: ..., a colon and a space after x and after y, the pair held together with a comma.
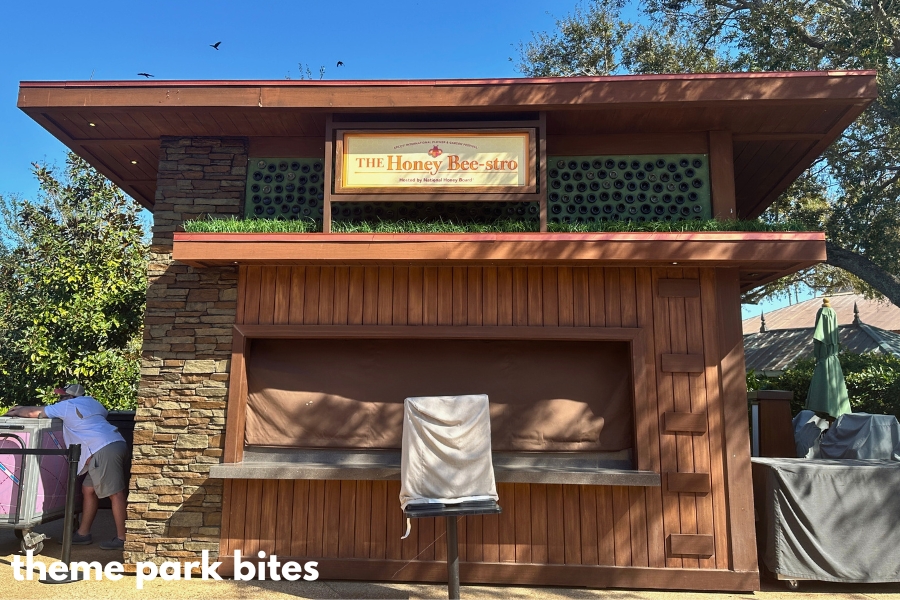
x: 457, y: 162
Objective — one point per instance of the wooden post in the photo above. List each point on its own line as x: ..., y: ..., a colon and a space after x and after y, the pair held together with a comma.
x: 737, y: 437
x: 776, y: 433
x: 542, y: 170
x: 328, y: 174
x: 236, y: 409
x: 721, y: 175
x: 452, y: 559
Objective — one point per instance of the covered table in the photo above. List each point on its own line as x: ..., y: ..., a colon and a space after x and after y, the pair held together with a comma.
x: 829, y: 520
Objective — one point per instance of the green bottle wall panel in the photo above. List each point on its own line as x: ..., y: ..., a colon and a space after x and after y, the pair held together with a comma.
x: 638, y: 188
x: 286, y: 188
x: 580, y: 189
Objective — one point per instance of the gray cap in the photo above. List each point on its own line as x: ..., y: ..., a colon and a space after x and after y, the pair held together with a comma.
x: 73, y: 389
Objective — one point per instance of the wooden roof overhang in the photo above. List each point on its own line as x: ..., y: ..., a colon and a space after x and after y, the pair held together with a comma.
x: 779, y: 122
x: 759, y: 256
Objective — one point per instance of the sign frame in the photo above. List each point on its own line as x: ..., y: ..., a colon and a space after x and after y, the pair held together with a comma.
x: 536, y: 123
x: 529, y: 168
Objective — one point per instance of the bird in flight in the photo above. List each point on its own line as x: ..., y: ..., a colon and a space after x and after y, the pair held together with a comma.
x: 340, y: 63
x: 147, y: 75
x: 216, y: 45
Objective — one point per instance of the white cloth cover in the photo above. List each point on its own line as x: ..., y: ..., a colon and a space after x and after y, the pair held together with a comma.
x: 446, y: 450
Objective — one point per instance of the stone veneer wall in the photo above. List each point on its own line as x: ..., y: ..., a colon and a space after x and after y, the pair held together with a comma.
x: 174, y: 509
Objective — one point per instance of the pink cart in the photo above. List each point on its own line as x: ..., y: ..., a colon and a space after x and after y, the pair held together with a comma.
x: 32, y: 488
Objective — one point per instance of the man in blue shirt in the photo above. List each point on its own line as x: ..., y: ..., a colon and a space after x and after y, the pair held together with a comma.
x: 103, y: 451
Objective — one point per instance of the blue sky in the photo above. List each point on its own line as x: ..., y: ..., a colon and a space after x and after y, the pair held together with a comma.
x: 401, y: 39
x: 105, y: 40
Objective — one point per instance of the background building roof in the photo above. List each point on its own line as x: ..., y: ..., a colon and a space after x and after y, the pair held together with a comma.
x: 772, y: 352
x: 883, y: 315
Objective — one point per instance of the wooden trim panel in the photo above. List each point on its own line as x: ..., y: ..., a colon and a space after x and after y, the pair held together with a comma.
x: 690, y: 483
x: 775, y: 252
x: 682, y: 422
x: 513, y: 93
x: 691, y: 544
x: 679, y: 288
x: 447, y: 332
x: 681, y: 363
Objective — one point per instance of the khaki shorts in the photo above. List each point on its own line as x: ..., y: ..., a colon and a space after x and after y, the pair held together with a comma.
x: 106, y: 473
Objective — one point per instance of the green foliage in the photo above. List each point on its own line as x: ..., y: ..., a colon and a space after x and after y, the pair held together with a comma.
x: 234, y: 225
x: 678, y: 226
x: 754, y: 381
x: 434, y: 226
x: 853, y: 191
x: 73, y: 281
x: 873, y: 382
x: 595, y: 40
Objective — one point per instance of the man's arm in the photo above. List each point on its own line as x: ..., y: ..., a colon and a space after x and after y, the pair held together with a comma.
x: 27, y: 412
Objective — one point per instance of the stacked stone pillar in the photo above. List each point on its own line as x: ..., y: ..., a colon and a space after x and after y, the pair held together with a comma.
x: 174, y: 509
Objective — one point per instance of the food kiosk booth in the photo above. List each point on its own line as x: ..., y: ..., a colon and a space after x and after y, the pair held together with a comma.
x: 275, y: 364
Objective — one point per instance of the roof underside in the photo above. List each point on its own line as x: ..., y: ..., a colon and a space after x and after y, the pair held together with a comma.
x: 781, y: 122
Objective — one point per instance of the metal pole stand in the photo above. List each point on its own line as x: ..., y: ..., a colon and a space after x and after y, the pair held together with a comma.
x: 452, y: 512
x: 73, y: 456
x: 452, y: 559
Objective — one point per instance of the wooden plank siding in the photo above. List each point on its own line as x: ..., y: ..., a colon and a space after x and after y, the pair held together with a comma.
x: 540, y: 524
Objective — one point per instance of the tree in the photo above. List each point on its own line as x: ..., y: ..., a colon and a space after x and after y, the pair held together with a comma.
x: 853, y: 191
x: 73, y: 281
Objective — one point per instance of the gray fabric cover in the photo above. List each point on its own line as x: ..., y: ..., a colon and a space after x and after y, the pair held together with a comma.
x: 858, y: 435
x: 446, y: 454
x: 831, y: 520
x: 808, y: 431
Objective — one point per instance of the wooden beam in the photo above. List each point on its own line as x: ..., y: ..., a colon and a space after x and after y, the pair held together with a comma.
x: 733, y: 377
x: 293, y: 147
x: 447, y: 332
x: 328, y: 184
x: 236, y: 411
x: 542, y: 171
x: 777, y: 137
x: 116, y: 141
x: 771, y: 250
x: 630, y: 143
x: 737, y: 88
x: 721, y: 174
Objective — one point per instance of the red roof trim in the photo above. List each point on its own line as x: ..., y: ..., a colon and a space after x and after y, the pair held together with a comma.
x: 697, y: 236
x: 438, y: 82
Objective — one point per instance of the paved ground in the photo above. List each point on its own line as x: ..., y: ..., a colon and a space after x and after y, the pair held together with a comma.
x: 200, y: 590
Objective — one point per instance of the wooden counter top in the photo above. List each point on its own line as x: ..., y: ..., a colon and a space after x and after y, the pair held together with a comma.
x: 363, y: 465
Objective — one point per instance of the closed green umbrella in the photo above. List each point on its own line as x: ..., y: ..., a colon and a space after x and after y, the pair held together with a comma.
x: 827, y: 390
